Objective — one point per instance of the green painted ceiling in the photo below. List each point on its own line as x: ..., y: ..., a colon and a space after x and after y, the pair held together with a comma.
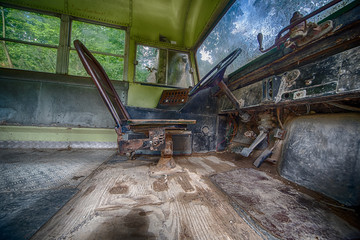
x: 182, y: 21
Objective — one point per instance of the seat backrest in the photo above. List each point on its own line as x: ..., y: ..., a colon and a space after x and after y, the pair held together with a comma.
x: 103, y: 84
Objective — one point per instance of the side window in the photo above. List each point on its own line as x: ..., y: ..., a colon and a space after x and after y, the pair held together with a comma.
x: 29, y: 40
x: 106, y: 43
x: 162, y: 66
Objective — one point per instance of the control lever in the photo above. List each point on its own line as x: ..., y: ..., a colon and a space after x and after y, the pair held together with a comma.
x: 246, y: 151
x: 245, y: 117
x: 260, y: 38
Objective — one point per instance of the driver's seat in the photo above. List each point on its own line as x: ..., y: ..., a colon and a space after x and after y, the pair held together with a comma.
x: 133, y: 134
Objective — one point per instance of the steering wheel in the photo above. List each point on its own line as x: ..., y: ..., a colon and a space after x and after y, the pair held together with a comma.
x: 216, y: 74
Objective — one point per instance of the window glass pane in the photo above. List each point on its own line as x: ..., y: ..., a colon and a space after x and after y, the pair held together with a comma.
x: 31, y: 27
x: 113, y: 66
x: 162, y: 66
x: 99, y: 38
x: 179, y: 70
x: 244, y: 20
x: 75, y: 66
x: 147, y: 64
x: 1, y: 20
x: 5, y: 60
x: 28, y: 57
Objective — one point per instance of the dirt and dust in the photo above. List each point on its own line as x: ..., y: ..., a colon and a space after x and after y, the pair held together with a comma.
x: 351, y: 215
x: 119, y: 188
x: 260, y: 196
x: 183, y: 203
x: 160, y: 184
x: 77, y: 177
x: 185, y: 232
x: 184, y: 180
x: 89, y: 190
x: 134, y: 225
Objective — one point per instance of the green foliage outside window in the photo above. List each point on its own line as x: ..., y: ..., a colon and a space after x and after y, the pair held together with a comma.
x: 28, y: 27
x: 114, y: 66
x: 22, y: 29
x: 146, y: 64
x: 28, y: 57
x: 100, y: 39
x: 31, y: 27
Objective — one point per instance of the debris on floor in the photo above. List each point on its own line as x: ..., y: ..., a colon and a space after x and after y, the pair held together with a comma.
x: 279, y: 210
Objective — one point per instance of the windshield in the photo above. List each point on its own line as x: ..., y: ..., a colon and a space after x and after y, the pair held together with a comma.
x: 244, y: 20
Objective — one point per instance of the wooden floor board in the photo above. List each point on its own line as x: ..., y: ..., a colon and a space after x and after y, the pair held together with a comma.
x: 127, y: 200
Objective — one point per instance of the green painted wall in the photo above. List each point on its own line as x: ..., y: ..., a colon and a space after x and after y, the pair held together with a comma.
x: 183, y: 21
x: 144, y: 96
x: 56, y: 134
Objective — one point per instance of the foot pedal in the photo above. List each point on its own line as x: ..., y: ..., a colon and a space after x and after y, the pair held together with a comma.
x: 246, y: 151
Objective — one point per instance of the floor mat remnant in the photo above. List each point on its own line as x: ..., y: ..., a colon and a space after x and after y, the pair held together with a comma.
x: 279, y: 210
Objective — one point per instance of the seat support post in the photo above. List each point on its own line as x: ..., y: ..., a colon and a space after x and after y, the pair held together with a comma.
x: 167, y: 161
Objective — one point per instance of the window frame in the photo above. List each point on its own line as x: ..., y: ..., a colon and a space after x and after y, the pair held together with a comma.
x: 167, y: 67
x: 64, y: 47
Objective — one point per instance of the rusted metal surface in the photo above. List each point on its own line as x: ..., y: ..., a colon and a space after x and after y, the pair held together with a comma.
x: 294, y: 23
x: 176, y: 97
x: 155, y: 141
x: 133, y: 122
x: 343, y: 39
x: 157, y: 137
x: 280, y: 133
x: 145, y: 128
x: 167, y: 161
x: 247, y: 151
x: 237, y: 103
x: 331, y: 79
x: 130, y: 146
x: 309, y: 34
x: 168, y: 150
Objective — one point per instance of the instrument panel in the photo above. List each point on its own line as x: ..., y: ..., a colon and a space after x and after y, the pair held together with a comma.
x: 333, y: 76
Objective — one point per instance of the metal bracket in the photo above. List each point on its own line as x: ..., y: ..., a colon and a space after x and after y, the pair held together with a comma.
x: 282, y: 39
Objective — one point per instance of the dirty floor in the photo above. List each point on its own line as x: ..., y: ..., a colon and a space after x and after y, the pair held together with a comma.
x: 35, y: 184
x: 271, y: 206
x: 126, y: 200
x: 82, y: 194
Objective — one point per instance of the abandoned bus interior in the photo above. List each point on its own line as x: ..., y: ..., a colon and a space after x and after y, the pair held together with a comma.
x: 179, y: 119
